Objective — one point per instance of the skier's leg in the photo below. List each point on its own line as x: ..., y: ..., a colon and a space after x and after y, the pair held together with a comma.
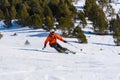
x: 62, y: 48
x: 56, y: 47
x: 65, y: 50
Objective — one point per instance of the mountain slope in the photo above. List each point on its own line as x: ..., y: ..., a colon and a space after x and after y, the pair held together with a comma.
x: 97, y: 60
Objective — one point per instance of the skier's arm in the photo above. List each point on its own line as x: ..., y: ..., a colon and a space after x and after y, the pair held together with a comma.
x: 60, y: 38
x: 46, y: 41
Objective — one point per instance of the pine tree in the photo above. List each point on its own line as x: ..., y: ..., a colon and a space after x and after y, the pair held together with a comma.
x: 35, y: 21
x: 15, y: 2
x: 49, y: 22
x: 81, y: 16
x: 66, y: 25
x: 5, y: 6
x: 54, y: 5
x: 116, y: 37
x: 23, y: 15
x: 88, y: 6
x: 35, y: 7
x: 1, y: 15
x: 115, y: 24
x: 66, y: 10
x: 13, y: 12
x: 47, y: 11
x: 78, y: 33
x: 99, y: 21
x: 97, y: 16
x: 7, y: 18
x: 115, y: 27
x: 6, y: 3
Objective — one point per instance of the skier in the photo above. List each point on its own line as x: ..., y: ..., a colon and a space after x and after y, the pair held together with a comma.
x: 52, y: 39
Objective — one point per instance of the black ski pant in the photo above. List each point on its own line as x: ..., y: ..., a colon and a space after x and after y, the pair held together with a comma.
x: 58, y: 47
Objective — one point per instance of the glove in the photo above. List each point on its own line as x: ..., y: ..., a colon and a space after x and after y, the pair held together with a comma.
x: 65, y: 41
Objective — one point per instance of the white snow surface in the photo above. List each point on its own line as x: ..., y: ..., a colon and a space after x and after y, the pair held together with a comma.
x: 97, y: 60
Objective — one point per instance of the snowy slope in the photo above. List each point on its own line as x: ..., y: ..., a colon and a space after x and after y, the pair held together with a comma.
x: 97, y: 60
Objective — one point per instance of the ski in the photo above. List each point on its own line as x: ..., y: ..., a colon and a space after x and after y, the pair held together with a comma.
x: 69, y: 52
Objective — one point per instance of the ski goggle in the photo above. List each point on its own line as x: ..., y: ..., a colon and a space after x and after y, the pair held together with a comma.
x: 51, y: 32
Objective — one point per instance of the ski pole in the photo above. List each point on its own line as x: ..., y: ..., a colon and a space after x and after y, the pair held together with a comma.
x: 72, y: 45
x: 77, y: 48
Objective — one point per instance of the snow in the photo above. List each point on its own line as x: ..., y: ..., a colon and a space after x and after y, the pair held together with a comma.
x: 79, y: 4
x: 97, y: 60
x: 116, y: 6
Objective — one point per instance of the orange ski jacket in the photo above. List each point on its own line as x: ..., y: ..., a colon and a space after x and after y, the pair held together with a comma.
x: 52, y: 39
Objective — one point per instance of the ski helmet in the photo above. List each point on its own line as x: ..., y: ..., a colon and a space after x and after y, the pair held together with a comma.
x: 52, y: 31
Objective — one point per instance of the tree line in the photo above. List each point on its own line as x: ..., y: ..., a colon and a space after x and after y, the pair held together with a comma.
x: 103, y: 17
x: 40, y: 14
x: 35, y: 13
x: 44, y: 13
